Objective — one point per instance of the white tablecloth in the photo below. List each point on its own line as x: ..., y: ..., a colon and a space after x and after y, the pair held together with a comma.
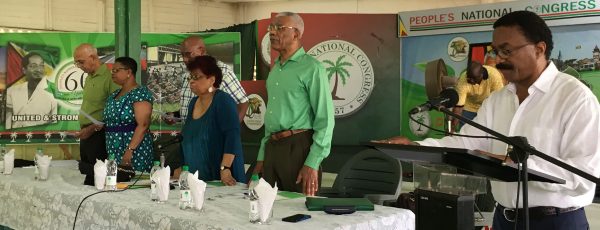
x: 29, y: 204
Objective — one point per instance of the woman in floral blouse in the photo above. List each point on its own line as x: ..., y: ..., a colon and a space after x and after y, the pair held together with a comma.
x: 127, y: 118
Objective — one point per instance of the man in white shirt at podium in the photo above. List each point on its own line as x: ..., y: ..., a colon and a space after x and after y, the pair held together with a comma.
x: 557, y: 114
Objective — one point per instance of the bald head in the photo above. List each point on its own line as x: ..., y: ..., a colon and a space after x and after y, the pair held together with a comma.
x: 193, y: 46
x: 475, y: 73
x: 193, y: 40
x: 86, y: 58
x: 86, y: 49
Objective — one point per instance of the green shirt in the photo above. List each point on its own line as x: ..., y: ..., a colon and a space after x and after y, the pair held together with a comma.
x: 300, y: 98
x: 97, y: 88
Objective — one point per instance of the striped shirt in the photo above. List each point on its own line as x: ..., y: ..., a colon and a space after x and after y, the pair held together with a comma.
x: 230, y: 85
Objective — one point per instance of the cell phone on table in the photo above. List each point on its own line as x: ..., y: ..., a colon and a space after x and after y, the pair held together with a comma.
x: 296, y: 218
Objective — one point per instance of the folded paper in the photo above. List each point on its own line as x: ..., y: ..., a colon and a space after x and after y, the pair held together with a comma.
x: 99, y: 174
x: 43, y: 163
x: 9, y: 162
x: 266, y: 197
x: 162, y: 183
x: 197, y: 188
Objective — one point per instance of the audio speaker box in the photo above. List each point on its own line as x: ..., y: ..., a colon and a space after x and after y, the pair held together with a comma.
x: 437, y: 210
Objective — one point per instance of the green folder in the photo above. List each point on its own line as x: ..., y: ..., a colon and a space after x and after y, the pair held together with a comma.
x: 319, y: 204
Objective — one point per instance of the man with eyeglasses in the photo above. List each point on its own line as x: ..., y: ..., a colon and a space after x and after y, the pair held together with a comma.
x: 98, y: 86
x: 28, y: 99
x: 299, y: 119
x: 557, y: 114
x: 194, y: 46
x: 474, y: 86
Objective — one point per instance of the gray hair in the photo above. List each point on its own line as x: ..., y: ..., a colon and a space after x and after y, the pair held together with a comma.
x: 299, y: 23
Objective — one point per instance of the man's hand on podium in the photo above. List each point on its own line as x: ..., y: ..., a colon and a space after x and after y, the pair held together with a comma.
x: 400, y: 140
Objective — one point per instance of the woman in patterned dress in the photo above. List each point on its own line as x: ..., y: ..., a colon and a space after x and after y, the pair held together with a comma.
x: 211, y: 134
x: 127, y: 118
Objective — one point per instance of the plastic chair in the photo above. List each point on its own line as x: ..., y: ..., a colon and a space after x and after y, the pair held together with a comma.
x: 369, y: 173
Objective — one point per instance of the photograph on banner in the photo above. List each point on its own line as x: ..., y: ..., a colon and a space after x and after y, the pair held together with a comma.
x: 482, y: 53
x: 575, y: 52
x: 27, y: 101
x: 42, y: 88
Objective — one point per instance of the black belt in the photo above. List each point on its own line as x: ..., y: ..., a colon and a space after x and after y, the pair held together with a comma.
x: 534, y: 212
x: 121, y: 128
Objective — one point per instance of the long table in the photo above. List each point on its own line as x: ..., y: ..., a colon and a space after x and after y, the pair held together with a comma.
x: 51, y: 204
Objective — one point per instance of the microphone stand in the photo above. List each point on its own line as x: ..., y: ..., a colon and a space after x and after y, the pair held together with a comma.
x: 520, y: 153
x: 161, y: 149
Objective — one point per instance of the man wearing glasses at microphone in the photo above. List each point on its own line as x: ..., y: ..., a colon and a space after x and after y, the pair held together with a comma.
x: 557, y: 114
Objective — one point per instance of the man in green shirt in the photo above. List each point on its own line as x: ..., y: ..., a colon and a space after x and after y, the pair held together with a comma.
x: 98, y: 86
x: 299, y: 119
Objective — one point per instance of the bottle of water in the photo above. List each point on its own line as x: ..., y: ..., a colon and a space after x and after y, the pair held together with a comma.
x: 253, y: 214
x: 185, y: 198
x: 253, y: 181
x: 39, y: 153
x: 111, y: 174
x: 153, y: 192
x: 162, y: 157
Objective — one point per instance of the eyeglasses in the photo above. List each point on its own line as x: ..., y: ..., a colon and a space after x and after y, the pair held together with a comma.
x: 115, y: 70
x: 35, y: 66
x: 196, y: 77
x: 273, y: 28
x: 504, y: 52
x: 188, y: 54
x: 79, y: 63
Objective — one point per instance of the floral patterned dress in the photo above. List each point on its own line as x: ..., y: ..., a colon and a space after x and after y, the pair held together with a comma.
x: 120, y: 124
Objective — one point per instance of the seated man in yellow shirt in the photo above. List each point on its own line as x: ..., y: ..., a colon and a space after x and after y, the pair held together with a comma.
x: 474, y: 86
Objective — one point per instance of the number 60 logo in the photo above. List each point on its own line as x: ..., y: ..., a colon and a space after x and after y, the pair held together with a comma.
x: 74, y: 80
x: 69, y: 80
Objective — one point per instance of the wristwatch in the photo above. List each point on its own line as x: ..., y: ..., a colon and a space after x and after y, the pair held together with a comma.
x: 223, y: 167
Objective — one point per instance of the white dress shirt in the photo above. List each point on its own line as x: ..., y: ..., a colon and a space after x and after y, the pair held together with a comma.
x: 561, y: 118
x: 18, y: 102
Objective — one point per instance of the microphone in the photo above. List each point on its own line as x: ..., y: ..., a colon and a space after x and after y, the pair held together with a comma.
x: 447, y: 98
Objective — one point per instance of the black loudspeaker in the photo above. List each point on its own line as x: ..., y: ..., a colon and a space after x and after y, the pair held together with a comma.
x: 436, y: 210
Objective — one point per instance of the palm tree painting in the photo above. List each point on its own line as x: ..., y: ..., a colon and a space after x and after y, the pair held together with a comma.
x: 338, y: 69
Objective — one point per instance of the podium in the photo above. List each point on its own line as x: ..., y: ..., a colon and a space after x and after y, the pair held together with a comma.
x: 452, y: 208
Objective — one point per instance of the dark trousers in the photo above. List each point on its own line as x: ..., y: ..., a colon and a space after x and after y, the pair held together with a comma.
x: 574, y: 220
x: 91, y: 149
x: 284, y: 158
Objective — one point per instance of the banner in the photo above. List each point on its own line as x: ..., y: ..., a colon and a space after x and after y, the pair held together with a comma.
x: 482, y: 17
x: 575, y: 52
x: 41, y: 88
x: 361, y: 58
